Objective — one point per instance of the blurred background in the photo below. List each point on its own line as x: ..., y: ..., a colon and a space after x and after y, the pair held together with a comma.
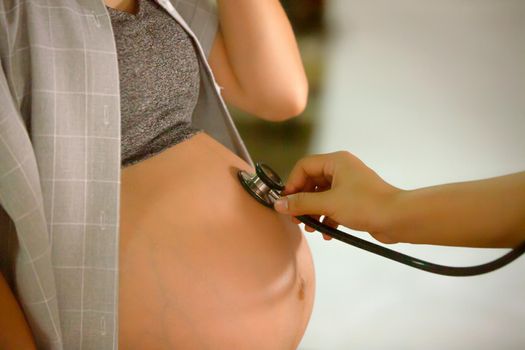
x: 425, y: 92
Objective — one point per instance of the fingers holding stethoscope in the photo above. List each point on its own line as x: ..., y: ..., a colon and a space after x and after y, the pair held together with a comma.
x: 313, y: 185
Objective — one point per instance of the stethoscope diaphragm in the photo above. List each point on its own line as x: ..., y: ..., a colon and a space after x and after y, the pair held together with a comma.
x: 265, y: 185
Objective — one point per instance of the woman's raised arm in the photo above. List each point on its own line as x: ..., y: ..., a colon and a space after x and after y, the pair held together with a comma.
x: 256, y: 60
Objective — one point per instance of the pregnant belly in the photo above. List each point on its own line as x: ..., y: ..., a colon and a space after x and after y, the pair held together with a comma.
x: 202, y: 264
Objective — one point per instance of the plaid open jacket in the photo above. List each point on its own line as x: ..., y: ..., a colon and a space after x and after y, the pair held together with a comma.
x: 60, y: 160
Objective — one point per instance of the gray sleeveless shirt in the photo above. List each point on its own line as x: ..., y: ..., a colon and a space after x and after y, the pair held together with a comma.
x: 159, y: 81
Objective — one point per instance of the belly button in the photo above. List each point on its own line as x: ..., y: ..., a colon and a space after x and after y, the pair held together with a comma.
x: 302, y: 285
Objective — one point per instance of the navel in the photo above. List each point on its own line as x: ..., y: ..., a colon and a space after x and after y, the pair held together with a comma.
x: 302, y: 286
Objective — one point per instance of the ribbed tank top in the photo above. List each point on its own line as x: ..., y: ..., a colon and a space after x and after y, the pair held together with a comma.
x: 159, y: 81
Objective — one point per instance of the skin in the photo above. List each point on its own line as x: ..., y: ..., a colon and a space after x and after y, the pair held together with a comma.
x: 256, y: 60
x: 15, y: 333
x: 340, y: 187
x: 202, y: 264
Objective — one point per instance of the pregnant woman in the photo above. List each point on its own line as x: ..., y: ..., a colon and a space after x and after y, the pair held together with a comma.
x: 201, y: 264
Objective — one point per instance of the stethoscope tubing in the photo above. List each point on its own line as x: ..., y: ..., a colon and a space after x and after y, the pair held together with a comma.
x: 265, y: 181
x: 409, y: 260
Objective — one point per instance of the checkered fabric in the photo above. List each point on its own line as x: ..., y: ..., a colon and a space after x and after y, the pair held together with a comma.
x: 60, y: 160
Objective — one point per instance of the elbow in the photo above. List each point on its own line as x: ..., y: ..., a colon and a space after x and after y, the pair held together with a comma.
x: 294, y: 105
x: 285, y: 105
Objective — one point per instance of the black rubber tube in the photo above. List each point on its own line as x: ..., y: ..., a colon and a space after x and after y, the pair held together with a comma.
x: 459, y: 271
x: 411, y: 261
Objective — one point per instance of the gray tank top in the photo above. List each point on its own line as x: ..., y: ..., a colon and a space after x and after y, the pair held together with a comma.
x: 159, y: 81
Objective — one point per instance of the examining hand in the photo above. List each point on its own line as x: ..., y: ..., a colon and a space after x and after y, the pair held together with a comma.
x: 341, y: 188
x: 338, y: 186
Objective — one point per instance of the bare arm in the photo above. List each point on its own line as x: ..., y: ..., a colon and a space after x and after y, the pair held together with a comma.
x: 256, y: 60
x: 484, y: 213
x: 14, y: 331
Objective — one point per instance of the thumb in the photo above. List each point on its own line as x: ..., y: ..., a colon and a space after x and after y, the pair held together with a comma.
x: 303, y: 203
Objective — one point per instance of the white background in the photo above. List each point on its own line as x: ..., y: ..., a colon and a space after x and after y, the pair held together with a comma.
x: 425, y: 92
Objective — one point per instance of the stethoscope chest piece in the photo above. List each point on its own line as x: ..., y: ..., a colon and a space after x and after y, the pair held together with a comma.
x: 265, y: 185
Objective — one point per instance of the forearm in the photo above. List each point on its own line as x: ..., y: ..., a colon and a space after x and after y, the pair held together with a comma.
x: 485, y: 213
x: 265, y: 74
x: 14, y: 331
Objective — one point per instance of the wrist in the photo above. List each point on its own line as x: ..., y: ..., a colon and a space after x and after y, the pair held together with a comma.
x: 382, y: 213
x: 392, y: 214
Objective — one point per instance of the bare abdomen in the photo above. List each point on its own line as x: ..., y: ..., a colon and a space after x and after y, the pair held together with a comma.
x: 202, y: 264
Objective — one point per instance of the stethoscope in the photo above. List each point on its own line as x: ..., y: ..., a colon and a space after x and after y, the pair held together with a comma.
x: 266, y: 186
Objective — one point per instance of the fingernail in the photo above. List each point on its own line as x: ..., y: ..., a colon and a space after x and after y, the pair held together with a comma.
x: 281, y: 204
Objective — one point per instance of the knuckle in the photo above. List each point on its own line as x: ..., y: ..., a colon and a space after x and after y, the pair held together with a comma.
x: 302, y: 164
x: 299, y: 198
x: 312, y: 157
x: 292, y: 201
x: 297, y: 202
x: 344, y: 155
